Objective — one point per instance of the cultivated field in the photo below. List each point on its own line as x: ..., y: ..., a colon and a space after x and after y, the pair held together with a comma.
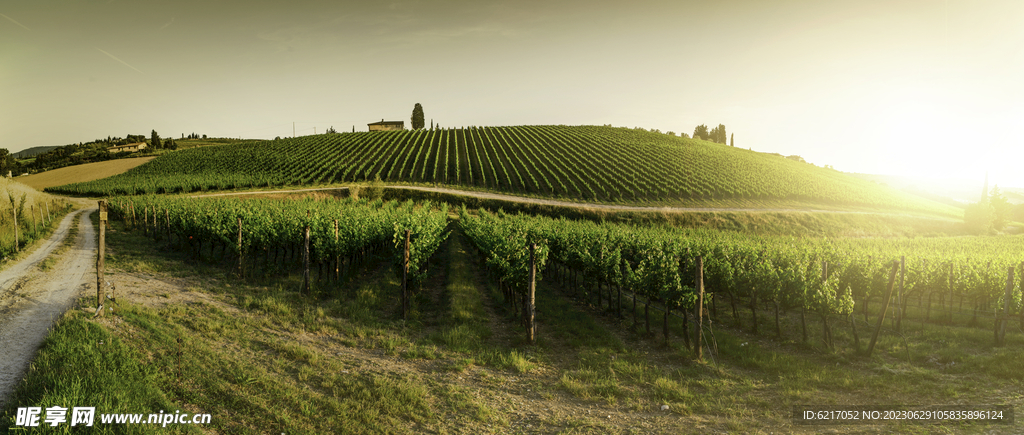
x: 81, y: 173
x: 386, y: 310
x: 264, y: 353
x: 592, y: 164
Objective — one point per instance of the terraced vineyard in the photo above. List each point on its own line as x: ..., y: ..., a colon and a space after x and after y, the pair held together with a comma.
x: 585, y: 162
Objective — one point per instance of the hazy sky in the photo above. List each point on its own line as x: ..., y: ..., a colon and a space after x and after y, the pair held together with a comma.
x: 909, y: 87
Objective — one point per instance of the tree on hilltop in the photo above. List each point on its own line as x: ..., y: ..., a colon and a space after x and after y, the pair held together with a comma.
x: 732, y: 140
x: 979, y: 217
x: 417, y: 117
x: 701, y: 132
x: 717, y: 134
x: 1001, y: 208
x: 155, y: 141
x: 6, y: 162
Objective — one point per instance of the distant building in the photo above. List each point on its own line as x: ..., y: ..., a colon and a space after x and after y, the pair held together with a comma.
x: 387, y: 125
x: 131, y: 148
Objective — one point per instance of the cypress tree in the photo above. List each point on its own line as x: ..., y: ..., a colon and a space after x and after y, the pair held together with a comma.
x: 417, y: 117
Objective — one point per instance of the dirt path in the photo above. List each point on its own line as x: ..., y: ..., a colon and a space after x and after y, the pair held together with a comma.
x: 552, y: 202
x: 31, y: 300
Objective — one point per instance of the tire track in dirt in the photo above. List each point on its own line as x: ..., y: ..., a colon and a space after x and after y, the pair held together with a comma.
x: 33, y: 299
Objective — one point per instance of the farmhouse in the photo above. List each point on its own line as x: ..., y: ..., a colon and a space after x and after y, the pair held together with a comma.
x: 387, y: 125
x: 131, y: 148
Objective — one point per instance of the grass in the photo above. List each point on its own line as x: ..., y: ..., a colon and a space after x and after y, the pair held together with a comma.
x: 69, y: 241
x: 118, y: 380
x: 262, y: 358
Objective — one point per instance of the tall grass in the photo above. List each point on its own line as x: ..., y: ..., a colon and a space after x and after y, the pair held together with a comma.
x: 37, y: 214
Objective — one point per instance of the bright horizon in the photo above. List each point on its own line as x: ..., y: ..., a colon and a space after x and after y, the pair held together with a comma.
x: 922, y: 89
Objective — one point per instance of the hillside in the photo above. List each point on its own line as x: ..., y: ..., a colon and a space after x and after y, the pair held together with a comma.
x: 32, y: 152
x: 587, y: 163
x: 81, y: 173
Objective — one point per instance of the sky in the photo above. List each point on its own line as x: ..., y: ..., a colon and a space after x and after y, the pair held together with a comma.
x: 918, y: 88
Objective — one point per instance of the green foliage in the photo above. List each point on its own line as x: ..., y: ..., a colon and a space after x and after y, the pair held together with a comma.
x: 427, y: 228
x: 417, y: 117
x: 701, y: 132
x: 581, y: 163
x: 269, y: 225
x: 155, y: 141
x: 1002, y: 210
x: 7, y: 162
x: 506, y: 243
x: 717, y: 134
x: 658, y: 263
x: 979, y: 217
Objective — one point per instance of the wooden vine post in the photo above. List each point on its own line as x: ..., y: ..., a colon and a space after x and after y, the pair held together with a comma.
x: 1002, y: 319
x: 305, y: 261
x: 885, y: 306
x: 241, y: 272
x: 950, y: 292
x: 900, y: 297
x: 1021, y: 266
x: 337, y: 258
x: 101, y: 252
x: 14, y: 211
x: 531, y: 301
x: 698, y: 285
x: 826, y: 330
x: 405, y: 275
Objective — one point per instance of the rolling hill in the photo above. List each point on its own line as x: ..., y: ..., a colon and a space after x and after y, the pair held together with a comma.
x: 81, y: 173
x: 584, y: 163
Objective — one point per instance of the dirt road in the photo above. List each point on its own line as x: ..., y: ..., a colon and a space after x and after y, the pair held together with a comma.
x: 31, y: 300
x: 552, y: 202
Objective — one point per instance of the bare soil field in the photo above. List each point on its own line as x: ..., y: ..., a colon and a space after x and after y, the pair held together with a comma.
x: 80, y: 173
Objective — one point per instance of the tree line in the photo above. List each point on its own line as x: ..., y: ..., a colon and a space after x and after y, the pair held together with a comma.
x: 716, y: 135
x: 96, y: 150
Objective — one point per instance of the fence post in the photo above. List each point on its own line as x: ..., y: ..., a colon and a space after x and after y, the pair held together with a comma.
x: 101, y: 252
x: 885, y: 307
x: 241, y: 272
x: 951, y: 292
x: 1001, y: 320
x: 531, y: 304
x: 337, y: 258
x: 305, y: 261
x: 14, y: 211
x: 405, y: 275
x: 1021, y: 266
x: 699, y: 286
x: 899, y: 295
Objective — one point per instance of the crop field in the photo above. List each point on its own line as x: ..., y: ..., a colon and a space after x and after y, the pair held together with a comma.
x: 832, y: 278
x: 81, y: 173
x: 584, y: 163
x: 322, y: 341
